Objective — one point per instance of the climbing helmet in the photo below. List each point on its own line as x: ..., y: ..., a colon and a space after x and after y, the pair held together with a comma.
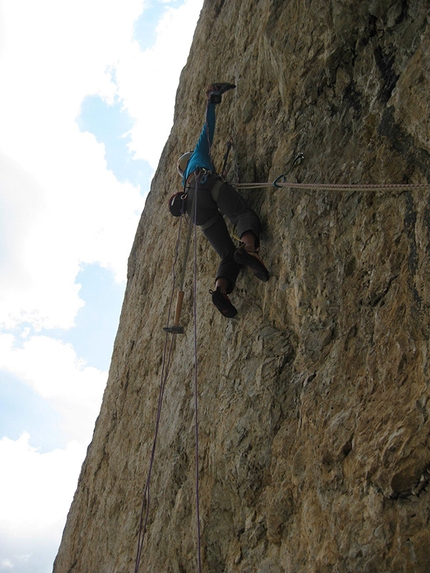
x: 183, y: 162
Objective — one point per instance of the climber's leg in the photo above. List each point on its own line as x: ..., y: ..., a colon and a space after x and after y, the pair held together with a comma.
x: 228, y: 269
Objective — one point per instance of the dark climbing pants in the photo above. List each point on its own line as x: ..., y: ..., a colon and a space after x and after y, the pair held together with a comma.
x: 214, y: 199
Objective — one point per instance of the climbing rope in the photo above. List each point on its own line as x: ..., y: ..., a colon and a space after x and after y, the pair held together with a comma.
x: 334, y: 186
x: 356, y: 186
x: 281, y: 181
x: 144, y: 513
x: 166, y: 362
x: 196, y: 419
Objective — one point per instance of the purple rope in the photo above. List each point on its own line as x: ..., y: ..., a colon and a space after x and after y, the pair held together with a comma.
x: 167, y: 357
x: 196, y: 423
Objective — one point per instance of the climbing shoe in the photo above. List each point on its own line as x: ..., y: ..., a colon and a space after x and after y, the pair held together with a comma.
x: 223, y: 303
x: 253, y: 261
x: 215, y: 91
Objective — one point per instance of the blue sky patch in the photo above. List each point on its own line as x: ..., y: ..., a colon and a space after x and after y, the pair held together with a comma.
x: 145, y: 26
x: 96, y: 323
x: 111, y: 125
x: 23, y: 410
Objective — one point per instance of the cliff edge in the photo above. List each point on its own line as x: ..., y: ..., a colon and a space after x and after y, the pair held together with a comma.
x: 314, y: 402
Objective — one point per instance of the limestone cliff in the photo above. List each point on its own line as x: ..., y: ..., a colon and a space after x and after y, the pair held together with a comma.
x: 314, y: 401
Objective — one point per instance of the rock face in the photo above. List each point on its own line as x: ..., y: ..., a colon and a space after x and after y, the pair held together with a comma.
x: 313, y: 404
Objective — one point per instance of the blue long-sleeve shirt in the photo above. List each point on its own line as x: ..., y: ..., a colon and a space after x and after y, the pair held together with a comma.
x: 201, y: 155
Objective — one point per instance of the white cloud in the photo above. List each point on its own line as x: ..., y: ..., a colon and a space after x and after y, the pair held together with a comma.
x: 63, y: 206
x: 60, y: 208
x: 37, y: 478
x: 154, y: 88
x: 54, y: 371
x: 50, y: 229
x: 67, y: 208
x: 35, y: 493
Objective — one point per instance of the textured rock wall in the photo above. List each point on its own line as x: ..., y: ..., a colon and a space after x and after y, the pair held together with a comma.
x: 314, y: 401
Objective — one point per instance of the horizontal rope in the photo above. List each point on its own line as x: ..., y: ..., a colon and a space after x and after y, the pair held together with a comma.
x: 336, y: 186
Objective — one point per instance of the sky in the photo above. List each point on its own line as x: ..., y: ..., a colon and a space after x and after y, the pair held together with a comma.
x: 86, y: 106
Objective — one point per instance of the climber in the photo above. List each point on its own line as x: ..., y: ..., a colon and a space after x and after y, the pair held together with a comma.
x: 215, y: 198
